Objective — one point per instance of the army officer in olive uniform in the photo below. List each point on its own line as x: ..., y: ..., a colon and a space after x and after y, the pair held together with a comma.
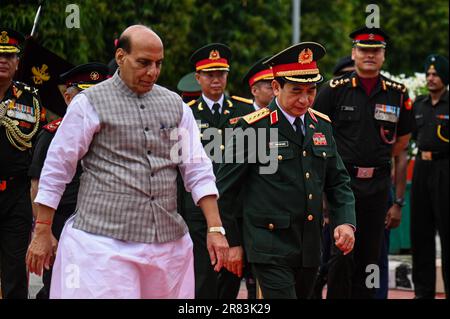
x: 20, y: 117
x: 214, y: 112
x: 282, y: 212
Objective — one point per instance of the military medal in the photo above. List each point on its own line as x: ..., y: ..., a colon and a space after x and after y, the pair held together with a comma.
x: 319, y: 139
x: 387, y: 113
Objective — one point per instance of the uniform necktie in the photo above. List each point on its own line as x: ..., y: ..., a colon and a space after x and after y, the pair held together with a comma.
x: 299, y: 128
x: 216, y: 114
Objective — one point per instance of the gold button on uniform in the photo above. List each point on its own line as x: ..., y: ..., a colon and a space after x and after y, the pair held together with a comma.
x: 304, y: 153
x: 310, y: 217
x: 222, y: 147
x: 310, y: 197
x: 271, y: 226
x: 324, y: 154
x: 219, y: 131
x: 280, y: 157
x: 307, y: 175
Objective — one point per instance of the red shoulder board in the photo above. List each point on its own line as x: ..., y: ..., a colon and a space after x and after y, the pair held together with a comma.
x: 273, y: 117
x: 52, y: 126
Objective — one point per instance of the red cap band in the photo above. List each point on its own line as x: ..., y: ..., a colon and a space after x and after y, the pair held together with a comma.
x: 369, y: 37
x: 209, y: 63
x: 265, y: 74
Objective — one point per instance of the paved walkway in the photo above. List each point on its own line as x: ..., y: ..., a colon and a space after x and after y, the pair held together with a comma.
x: 394, y: 293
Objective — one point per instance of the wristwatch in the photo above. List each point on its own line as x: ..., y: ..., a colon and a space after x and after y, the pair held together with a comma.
x: 217, y: 229
x: 400, y: 201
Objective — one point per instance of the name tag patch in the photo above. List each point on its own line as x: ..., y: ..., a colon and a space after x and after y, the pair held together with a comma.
x: 278, y: 144
x: 348, y: 108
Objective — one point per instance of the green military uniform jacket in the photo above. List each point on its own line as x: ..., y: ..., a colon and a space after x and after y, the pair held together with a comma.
x: 232, y: 109
x: 282, y: 212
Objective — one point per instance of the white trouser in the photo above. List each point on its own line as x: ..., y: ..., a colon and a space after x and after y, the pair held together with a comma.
x: 93, y: 266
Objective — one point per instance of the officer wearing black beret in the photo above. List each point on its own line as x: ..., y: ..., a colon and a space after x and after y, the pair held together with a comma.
x: 282, y: 199
x: 372, y: 121
x: 430, y: 184
x: 20, y: 119
x: 72, y: 82
x: 215, y: 113
x: 343, y: 66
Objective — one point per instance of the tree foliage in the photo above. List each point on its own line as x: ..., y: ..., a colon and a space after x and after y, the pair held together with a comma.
x: 252, y: 28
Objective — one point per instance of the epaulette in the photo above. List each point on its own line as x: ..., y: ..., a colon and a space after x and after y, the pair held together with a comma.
x: 319, y: 114
x: 420, y: 97
x: 395, y: 85
x: 52, y: 126
x: 334, y: 83
x: 257, y: 115
x: 26, y: 87
x: 190, y: 103
x: 241, y: 99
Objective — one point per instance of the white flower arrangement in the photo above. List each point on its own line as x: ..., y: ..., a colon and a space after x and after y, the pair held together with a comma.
x: 416, y: 85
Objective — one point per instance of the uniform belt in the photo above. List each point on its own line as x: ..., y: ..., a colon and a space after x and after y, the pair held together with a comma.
x: 363, y: 172
x: 432, y: 156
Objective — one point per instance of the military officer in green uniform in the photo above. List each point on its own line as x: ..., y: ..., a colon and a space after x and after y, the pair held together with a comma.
x: 429, y: 191
x: 282, y: 199
x: 72, y: 82
x: 20, y: 118
x: 372, y: 121
x: 215, y: 112
x: 189, y: 88
x: 259, y: 79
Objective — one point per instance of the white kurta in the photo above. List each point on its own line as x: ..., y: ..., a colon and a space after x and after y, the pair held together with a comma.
x: 93, y: 266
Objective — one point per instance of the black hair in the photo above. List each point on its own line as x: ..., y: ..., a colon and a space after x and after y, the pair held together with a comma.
x: 281, y: 81
x: 124, y: 43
